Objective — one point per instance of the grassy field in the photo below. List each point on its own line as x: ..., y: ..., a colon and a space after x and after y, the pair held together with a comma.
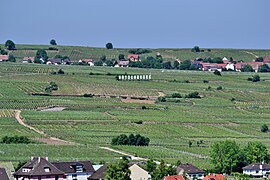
x: 93, y: 122
x: 77, y: 52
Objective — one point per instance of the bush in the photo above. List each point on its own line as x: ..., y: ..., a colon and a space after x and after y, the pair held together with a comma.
x: 254, y: 78
x: 139, y: 51
x: 219, y: 88
x: 162, y: 99
x: 52, y: 87
x: 53, y: 49
x: 176, y: 95
x: 88, y: 95
x: 205, y: 81
x: 193, y: 95
x: 264, y: 128
x: 132, y: 140
x: 16, y: 140
x: 144, y: 107
x: 60, y: 71
x: 217, y: 73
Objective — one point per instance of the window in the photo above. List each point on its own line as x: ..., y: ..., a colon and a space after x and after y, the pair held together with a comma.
x: 79, y: 169
x: 47, y: 169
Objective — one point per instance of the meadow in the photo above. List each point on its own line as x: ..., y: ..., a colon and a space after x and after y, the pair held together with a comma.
x: 236, y: 112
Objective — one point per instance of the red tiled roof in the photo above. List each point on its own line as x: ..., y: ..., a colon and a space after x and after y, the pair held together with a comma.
x: 135, y: 56
x: 87, y: 60
x: 175, y: 177
x: 4, y: 57
x: 214, y: 177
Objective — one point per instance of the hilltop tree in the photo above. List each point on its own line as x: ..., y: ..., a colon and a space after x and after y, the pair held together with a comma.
x: 10, y: 45
x: 41, y: 54
x: 196, y: 49
x: 53, y: 42
x: 109, y: 45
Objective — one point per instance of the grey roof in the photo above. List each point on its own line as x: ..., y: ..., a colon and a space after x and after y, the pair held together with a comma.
x: 58, y: 61
x: 70, y: 167
x: 123, y: 63
x: 99, y: 174
x: 189, y: 169
x: 3, y: 174
x: 256, y: 166
x: 37, y: 167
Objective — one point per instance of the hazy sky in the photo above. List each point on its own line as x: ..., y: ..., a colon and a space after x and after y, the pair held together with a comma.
x: 138, y: 23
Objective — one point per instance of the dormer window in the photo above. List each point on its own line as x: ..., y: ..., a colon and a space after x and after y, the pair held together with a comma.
x: 47, y: 169
x: 26, y: 170
x: 79, y: 169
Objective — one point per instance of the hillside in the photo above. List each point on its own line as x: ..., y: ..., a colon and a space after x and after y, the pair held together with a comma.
x: 77, y: 52
x: 237, y: 112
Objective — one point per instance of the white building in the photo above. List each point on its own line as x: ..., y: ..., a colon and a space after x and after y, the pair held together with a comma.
x: 257, y: 169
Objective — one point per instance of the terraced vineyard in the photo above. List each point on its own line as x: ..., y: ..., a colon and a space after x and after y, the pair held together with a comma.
x: 237, y: 111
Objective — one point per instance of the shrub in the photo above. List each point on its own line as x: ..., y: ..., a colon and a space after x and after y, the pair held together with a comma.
x: 53, y: 49
x: 162, y: 99
x: 88, y: 95
x: 193, y: 95
x: 205, y: 81
x: 52, y: 87
x: 176, y: 95
x: 60, y: 71
x: 254, y: 78
x: 219, y: 88
x: 264, y: 128
x: 217, y: 73
x: 16, y: 140
x: 144, y: 107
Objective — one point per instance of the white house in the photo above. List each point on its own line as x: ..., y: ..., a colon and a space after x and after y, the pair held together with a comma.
x: 79, y: 170
x: 230, y: 66
x: 191, y: 171
x: 257, y: 169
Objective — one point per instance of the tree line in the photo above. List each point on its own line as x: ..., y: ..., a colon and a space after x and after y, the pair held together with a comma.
x: 132, y: 140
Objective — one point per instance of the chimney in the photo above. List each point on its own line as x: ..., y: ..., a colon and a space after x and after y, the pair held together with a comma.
x: 261, y: 166
x: 32, y: 158
x: 38, y: 159
x: 47, y: 159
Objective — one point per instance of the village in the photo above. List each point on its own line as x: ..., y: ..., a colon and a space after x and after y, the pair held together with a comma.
x: 42, y: 169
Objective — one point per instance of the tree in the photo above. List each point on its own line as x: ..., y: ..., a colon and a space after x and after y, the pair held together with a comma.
x: 264, y: 128
x: 247, y: 68
x: 254, y: 78
x: 217, y: 73
x: 256, y: 152
x: 109, y: 63
x: 11, y: 58
x: 109, y: 45
x: 196, y: 49
x: 225, y: 156
x: 98, y: 63
x: 163, y: 170
x: 41, y: 54
x: 118, y: 171
x: 264, y: 68
x: 150, y: 166
x: 53, y: 42
x: 167, y: 65
x: 10, y: 45
x: 185, y: 65
x: 121, y: 56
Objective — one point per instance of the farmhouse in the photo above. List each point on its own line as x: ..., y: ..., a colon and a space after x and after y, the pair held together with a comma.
x: 3, y: 174
x: 192, y: 171
x: 80, y: 170
x: 39, y: 168
x: 28, y: 59
x: 3, y: 58
x: 257, y: 169
x: 133, y: 57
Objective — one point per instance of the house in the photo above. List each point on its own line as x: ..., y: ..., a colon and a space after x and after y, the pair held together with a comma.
x: 230, y: 66
x: 213, y: 66
x: 257, y: 169
x: 28, y: 59
x: 133, y: 57
x: 3, y: 58
x: 87, y: 61
x: 214, y: 177
x: 175, y: 177
x: 79, y: 170
x: 39, y: 168
x: 191, y: 170
x: 99, y: 174
x: 138, y: 173
x: 58, y: 61
x: 225, y: 60
x: 122, y: 63
x: 3, y: 174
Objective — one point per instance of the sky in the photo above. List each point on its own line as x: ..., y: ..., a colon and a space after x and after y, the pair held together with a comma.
x: 241, y: 24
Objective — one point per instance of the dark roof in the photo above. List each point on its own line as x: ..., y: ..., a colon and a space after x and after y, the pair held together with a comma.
x: 189, y: 169
x: 37, y: 165
x: 256, y: 166
x: 3, y: 174
x: 58, y: 61
x: 99, y: 174
x: 70, y: 167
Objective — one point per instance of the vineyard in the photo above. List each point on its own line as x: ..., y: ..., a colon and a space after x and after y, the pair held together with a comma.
x: 237, y: 111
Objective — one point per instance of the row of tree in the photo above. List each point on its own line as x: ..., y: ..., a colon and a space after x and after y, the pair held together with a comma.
x: 227, y: 156
x: 131, y: 140
x: 16, y: 140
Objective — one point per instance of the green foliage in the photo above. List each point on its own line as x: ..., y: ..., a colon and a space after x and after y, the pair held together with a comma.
x: 103, y: 58
x: 186, y: 65
x: 41, y: 53
x: 139, y: 51
x: 256, y: 152
x: 11, y: 58
x: 20, y: 164
x: 196, y: 49
x: 118, y: 171
x: 3, y: 52
x: 225, y: 156
x: 193, y: 95
x: 16, y: 140
x: 176, y: 65
x: 176, y: 95
x: 219, y: 88
x: 109, y: 45
x: 162, y: 99
x: 98, y: 63
x: 88, y: 95
x: 254, y: 78
x: 216, y: 72
x: 247, y: 68
x: 259, y: 59
x: 132, y: 140
x: 213, y: 60
x: 240, y: 176
x: 10, y: 45
x: 264, y: 68
x: 121, y: 56
x: 53, y: 42
x: 264, y: 128
x: 52, y: 87
x: 61, y: 71
x: 163, y: 170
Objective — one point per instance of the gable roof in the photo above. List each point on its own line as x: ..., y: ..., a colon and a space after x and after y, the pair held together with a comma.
x: 4, y: 57
x: 53, y: 61
x: 37, y: 167
x: 99, y: 174
x: 70, y: 167
x: 135, y: 56
x: 175, y: 177
x: 3, y: 174
x: 189, y: 169
x: 256, y: 166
